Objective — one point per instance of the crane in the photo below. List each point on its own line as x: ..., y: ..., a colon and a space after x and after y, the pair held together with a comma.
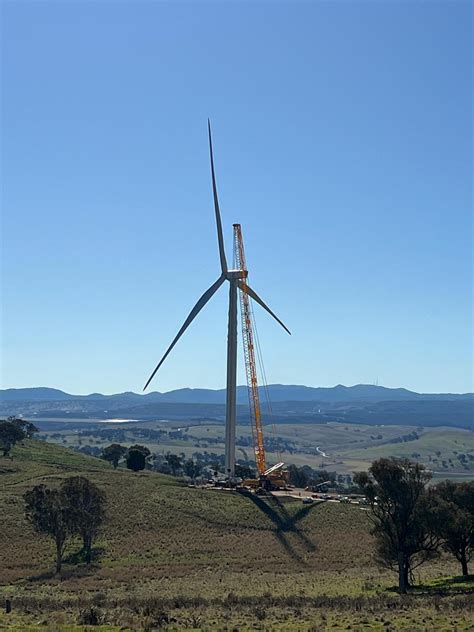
x: 272, y: 477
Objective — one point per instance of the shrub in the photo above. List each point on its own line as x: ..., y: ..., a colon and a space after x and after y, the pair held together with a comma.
x: 90, y: 616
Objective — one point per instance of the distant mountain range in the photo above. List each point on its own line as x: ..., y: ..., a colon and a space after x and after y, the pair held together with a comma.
x: 366, y: 404
x: 277, y: 393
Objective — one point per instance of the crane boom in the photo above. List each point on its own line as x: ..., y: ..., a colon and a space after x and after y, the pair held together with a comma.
x: 249, y: 355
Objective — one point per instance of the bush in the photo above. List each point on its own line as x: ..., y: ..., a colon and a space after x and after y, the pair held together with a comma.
x: 90, y: 616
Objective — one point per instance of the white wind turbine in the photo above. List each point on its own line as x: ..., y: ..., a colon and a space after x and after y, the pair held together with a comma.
x: 234, y: 277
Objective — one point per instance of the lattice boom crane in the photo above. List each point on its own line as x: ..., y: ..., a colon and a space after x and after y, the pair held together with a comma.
x: 249, y: 355
x: 273, y: 477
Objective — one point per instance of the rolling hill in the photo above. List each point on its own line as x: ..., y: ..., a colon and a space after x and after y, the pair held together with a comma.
x: 277, y: 392
x: 374, y: 405
x: 202, y: 559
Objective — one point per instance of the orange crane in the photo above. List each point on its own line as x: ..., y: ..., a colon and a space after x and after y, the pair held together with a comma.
x: 272, y: 477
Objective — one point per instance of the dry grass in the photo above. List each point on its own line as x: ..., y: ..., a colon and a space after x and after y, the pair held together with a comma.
x: 204, y: 558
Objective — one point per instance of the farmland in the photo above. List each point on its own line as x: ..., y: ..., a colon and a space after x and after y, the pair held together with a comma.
x: 339, y: 447
x: 203, y: 558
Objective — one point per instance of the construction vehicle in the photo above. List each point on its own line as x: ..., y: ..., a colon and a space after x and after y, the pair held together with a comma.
x: 319, y: 487
x: 274, y: 477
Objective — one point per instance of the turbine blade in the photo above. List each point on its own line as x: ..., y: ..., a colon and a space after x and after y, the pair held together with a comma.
x: 194, y: 312
x: 248, y: 290
x: 220, y: 238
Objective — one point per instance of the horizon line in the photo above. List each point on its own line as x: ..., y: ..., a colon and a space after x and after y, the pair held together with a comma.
x: 200, y: 388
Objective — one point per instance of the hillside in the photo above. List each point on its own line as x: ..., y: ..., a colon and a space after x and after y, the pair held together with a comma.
x: 205, y: 558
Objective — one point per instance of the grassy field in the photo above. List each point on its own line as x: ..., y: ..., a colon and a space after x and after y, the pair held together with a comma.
x: 347, y: 447
x: 181, y: 558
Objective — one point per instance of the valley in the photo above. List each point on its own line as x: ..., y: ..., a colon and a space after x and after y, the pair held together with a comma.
x: 447, y: 452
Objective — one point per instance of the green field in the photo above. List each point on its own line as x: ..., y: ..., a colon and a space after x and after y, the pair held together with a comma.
x: 348, y: 447
x: 175, y: 557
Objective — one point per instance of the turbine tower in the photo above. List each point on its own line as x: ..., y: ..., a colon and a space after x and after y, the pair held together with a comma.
x: 235, y: 282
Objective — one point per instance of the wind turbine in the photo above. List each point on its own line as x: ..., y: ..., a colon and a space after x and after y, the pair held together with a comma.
x: 235, y: 281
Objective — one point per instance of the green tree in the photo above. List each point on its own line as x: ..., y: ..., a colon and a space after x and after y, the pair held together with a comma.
x: 86, y: 511
x: 48, y: 513
x: 191, y: 468
x: 9, y: 436
x: 135, y: 460
x: 174, y: 462
x: 142, y: 448
x: 402, y: 515
x: 456, y: 527
x: 14, y: 430
x: 297, y: 476
x: 25, y: 426
x: 113, y: 453
x: 244, y: 471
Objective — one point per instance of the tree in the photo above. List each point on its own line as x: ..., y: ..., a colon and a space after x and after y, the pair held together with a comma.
x: 297, y: 476
x: 192, y: 469
x: 402, y: 515
x: 25, y: 426
x: 135, y: 460
x: 113, y: 453
x: 86, y: 511
x: 14, y: 430
x: 48, y: 513
x: 244, y: 471
x: 457, y: 526
x: 146, y: 452
x: 10, y: 434
x: 174, y: 462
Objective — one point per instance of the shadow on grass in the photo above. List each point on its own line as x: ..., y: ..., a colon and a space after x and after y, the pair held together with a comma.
x: 444, y: 586
x: 285, y: 522
x: 42, y: 577
x: 459, y: 579
x: 77, y: 567
x: 78, y: 556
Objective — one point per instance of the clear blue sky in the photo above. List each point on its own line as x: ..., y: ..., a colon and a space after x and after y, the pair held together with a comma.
x: 342, y: 135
